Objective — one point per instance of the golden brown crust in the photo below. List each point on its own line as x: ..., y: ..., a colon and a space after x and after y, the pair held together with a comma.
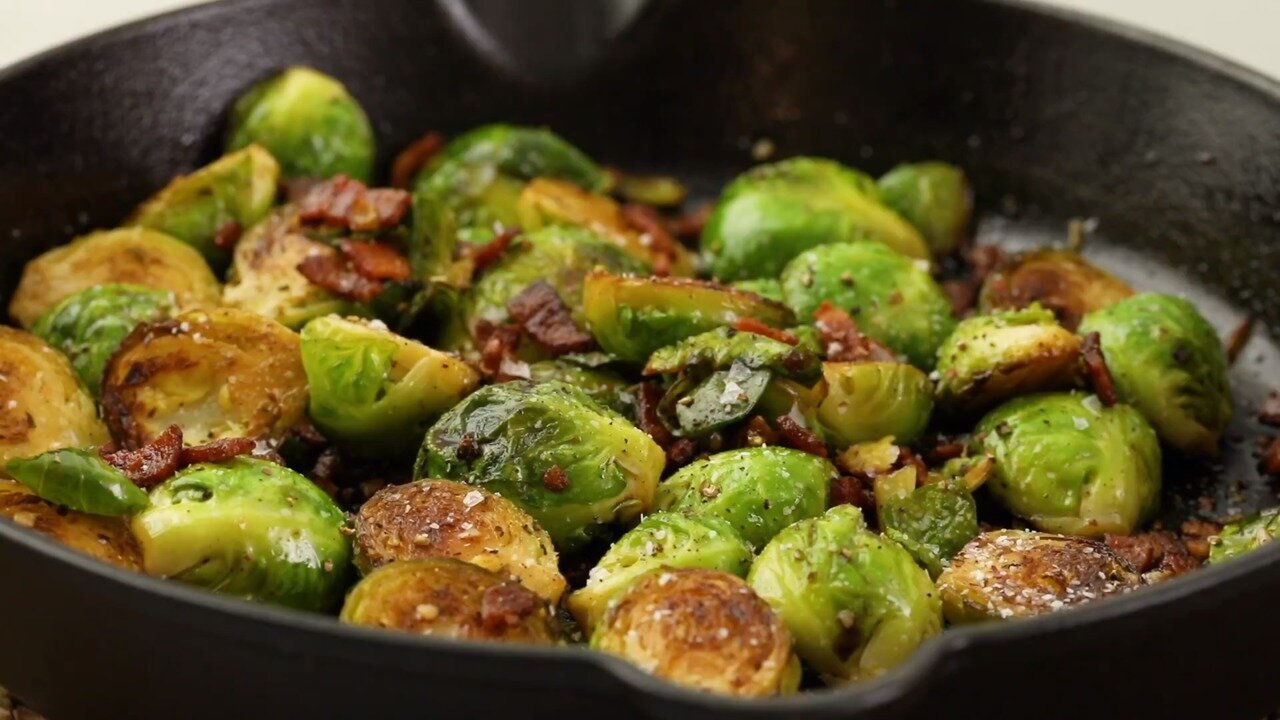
x: 1060, y: 280
x: 105, y: 538
x: 42, y: 404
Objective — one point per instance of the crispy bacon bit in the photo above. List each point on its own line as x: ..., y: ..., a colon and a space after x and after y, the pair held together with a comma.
x: 941, y: 448
x: 963, y: 292
x: 506, y: 605
x: 497, y: 345
x: 1270, y: 462
x: 757, y: 432
x: 841, y: 339
x: 690, y: 224
x: 413, y: 158
x: 218, y: 450
x: 469, y: 449
x: 681, y: 452
x: 908, y: 458
x: 661, y: 244
x: 1196, y: 535
x: 308, y: 434
x: 152, y: 463
x: 546, y: 319
x: 1158, y: 555
x: 648, y: 396
x: 752, y: 325
x: 327, y: 470
x: 1239, y: 338
x: 795, y: 435
x: 849, y: 490
x: 1095, y: 365
x: 338, y: 276
x: 555, y: 479
x: 1270, y: 412
x: 376, y: 260
x: 344, y: 202
x: 482, y: 256
x: 227, y: 235
x: 298, y: 188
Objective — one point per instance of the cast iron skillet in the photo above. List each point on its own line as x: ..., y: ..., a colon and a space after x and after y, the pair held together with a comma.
x: 1054, y: 115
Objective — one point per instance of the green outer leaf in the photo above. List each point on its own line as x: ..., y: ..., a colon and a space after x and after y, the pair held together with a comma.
x: 723, y: 398
x: 80, y: 481
x: 932, y: 522
x: 720, y: 348
x: 1245, y: 536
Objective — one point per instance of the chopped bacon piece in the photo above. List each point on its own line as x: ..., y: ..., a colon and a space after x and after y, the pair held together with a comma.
x: 227, y: 235
x: 497, y: 345
x: 1159, y: 555
x: 333, y: 273
x: 327, y: 470
x: 850, y: 490
x: 963, y: 292
x: 1095, y: 365
x: 218, y: 450
x: 690, y: 224
x: 908, y: 458
x: 152, y: 463
x: 940, y: 448
x: 555, y: 479
x: 506, y: 605
x: 307, y: 433
x: 1196, y: 535
x: 413, y: 158
x: 841, y: 339
x: 795, y: 435
x: 484, y: 255
x: 648, y: 396
x: 1270, y: 462
x: 1239, y: 338
x: 1270, y: 412
x: 342, y: 201
x: 757, y: 432
x: 681, y: 452
x: 647, y: 220
x: 298, y: 188
x: 753, y: 325
x: 376, y: 260
x: 546, y: 319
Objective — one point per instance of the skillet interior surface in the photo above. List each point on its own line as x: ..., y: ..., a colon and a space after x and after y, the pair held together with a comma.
x: 1177, y: 156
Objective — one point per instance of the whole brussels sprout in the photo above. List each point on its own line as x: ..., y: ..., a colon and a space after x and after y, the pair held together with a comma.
x: 703, y: 629
x: 216, y: 374
x: 774, y: 212
x: 573, y: 464
x: 935, y: 197
x: 1015, y: 573
x: 1069, y: 465
x: 132, y: 256
x: 870, y: 400
x: 933, y: 521
x: 757, y: 490
x: 719, y: 349
x: 374, y: 391
x: 855, y: 602
x: 88, y: 326
x: 78, y: 480
x: 1167, y: 361
x: 444, y: 597
x: 106, y: 538
x: 248, y: 528
x: 893, y: 298
x: 442, y: 518
x: 239, y: 187
x: 632, y: 317
x: 1060, y: 280
x: 768, y: 288
x: 605, y: 387
x: 1244, y: 536
x: 525, y: 153
x: 988, y: 359
x: 42, y: 404
x: 670, y: 540
x: 309, y: 122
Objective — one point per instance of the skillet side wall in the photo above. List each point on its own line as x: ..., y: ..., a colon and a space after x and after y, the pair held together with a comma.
x: 1179, y: 160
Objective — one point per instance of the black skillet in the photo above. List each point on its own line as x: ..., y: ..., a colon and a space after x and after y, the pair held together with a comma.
x: 1177, y: 154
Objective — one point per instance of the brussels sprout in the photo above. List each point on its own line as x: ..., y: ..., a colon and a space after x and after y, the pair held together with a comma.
x: 239, y: 187
x: 1015, y: 573
x: 772, y: 213
x: 768, y: 288
x: 1167, y: 361
x: 703, y: 629
x: 632, y: 317
x: 670, y: 540
x: 374, y: 391
x: 988, y: 359
x: 1244, y: 536
x: 657, y: 190
x: 757, y: 490
x: 1069, y: 465
x: 870, y: 400
x: 216, y: 374
x: 88, y: 326
x: 309, y: 122
x: 719, y: 349
x: 449, y: 598
x: 442, y: 518
x: 935, y: 197
x: 78, y: 480
x: 1060, y: 280
x: 42, y: 405
x: 856, y: 603
x: 894, y: 299
x: 133, y: 256
x: 525, y: 153
x: 606, y: 388
x: 933, y: 522
x: 105, y: 538
x: 573, y: 464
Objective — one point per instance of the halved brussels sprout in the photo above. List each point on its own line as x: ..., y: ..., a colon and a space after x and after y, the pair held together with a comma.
x: 605, y: 387
x: 573, y: 464
x: 1060, y: 280
x: 78, y: 480
x: 870, y: 400
x: 374, y: 391
x: 703, y: 629
x: 444, y: 597
x: 88, y: 326
x: 216, y: 374
x: 248, y: 528
x: 105, y: 538
x: 893, y: 298
x: 42, y: 404
x: 442, y: 518
x: 131, y: 256
x: 855, y: 602
x: 935, y: 197
x: 632, y: 317
x: 670, y: 540
x: 1167, y: 361
x: 933, y: 521
x: 239, y: 187
x: 1015, y: 573
x: 757, y: 490
x: 1069, y: 465
x: 988, y: 359
x: 719, y: 349
x: 774, y: 212
x: 309, y: 122
x: 1244, y: 536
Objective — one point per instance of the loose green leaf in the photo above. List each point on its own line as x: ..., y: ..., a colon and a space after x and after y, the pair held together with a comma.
x: 79, y: 480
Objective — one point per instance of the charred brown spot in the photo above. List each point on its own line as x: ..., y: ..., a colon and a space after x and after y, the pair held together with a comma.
x: 1160, y: 552
x: 506, y: 606
x: 227, y: 235
x: 469, y: 449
